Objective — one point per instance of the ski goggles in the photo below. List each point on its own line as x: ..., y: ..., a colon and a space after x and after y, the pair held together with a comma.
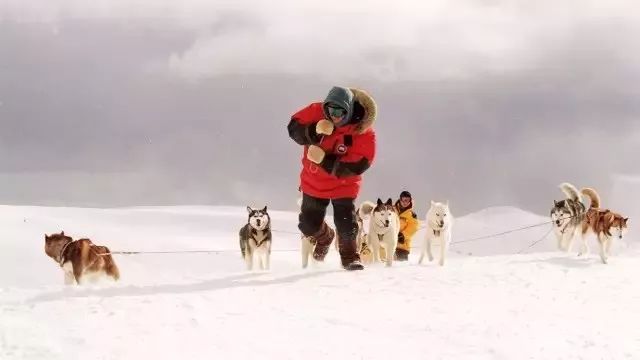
x: 336, y: 112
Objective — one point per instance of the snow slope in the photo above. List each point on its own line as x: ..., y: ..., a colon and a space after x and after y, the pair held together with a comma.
x: 537, y: 305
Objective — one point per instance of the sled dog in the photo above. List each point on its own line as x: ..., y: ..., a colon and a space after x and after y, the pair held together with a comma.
x: 439, y: 225
x: 255, y: 239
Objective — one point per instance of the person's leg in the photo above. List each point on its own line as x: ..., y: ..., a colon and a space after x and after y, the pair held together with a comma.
x: 312, y: 225
x: 344, y: 216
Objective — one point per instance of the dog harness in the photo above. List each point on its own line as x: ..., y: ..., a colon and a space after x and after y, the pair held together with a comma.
x: 62, y: 258
x: 254, y: 236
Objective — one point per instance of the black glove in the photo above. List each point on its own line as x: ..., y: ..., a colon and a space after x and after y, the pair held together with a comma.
x: 400, y: 238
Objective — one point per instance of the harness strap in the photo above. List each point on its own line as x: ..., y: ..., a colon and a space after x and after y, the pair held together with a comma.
x: 62, y: 258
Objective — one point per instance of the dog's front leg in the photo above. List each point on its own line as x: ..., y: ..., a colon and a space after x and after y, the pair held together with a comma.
x: 560, y: 238
x: 260, y: 260
x: 562, y: 241
x: 429, y: 254
x: 267, y: 259
x: 602, y: 240
x: 248, y: 258
x: 375, y: 247
x: 569, y: 235
x: 389, y: 252
x: 444, y: 241
x: 69, y: 279
x: 576, y: 233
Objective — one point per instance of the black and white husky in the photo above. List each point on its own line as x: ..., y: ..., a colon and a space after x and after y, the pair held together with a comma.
x: 255, y: 238
x: 383, y: 231
x: 567, y: 215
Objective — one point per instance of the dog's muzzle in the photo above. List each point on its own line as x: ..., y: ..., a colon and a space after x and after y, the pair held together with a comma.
x: 383, y: 224
x: 558, y: 223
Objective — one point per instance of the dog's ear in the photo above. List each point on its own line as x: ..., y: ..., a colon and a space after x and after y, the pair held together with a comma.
x: 249, y: 210
x: 389, y: 202
x: 46, y: 237
x: 555, y: 203
x: 433, y: 203
x: 625, y: 220
x: 379, y: 202
x: 446, y: 203
x: 62, y: 233
x: 265, y: 208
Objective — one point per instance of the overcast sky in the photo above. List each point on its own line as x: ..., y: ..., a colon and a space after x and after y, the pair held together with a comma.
x: 112, y: 103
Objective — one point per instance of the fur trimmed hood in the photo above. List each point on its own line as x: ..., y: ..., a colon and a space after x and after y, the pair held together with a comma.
x: 370, y: 109
x: 346, y: 98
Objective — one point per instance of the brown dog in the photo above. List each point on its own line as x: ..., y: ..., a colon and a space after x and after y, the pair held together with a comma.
x: 80, y: 259
x: 603, y: 223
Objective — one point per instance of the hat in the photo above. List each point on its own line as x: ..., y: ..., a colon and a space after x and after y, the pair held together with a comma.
x: 405, y: 194
x: 342, y: 98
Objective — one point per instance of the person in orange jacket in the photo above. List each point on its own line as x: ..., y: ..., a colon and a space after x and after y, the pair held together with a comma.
x: 408, y: 225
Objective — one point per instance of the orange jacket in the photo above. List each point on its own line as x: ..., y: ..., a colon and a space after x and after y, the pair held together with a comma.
x: 408, y: 225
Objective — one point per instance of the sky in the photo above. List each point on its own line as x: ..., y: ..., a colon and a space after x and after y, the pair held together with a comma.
x: 482, y: 103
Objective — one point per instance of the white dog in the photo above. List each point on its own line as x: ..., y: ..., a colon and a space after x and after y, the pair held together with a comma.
x: 383, y: 231
x: 439, y: 224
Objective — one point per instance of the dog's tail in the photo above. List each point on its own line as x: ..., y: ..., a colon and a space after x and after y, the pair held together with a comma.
x: 571, y: 191
x: 366, y: 208
x: 110, y: 265
x: 242, y: 236
x: 592, y: 194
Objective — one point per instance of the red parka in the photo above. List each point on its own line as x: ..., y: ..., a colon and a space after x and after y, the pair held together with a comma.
x: 349, y: 150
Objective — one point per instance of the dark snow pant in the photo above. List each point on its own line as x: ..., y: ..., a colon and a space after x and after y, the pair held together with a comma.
x: 313, y: 211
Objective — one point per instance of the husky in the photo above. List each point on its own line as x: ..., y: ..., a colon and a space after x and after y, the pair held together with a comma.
x: 255, y: 238
x: 81, y: 260
x: 567, y: 216
x: 439, y: 225
x: 603, y: 223
x: 383, y: 231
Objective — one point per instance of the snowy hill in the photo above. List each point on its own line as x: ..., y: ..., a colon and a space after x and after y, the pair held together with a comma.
x: 540, y: 305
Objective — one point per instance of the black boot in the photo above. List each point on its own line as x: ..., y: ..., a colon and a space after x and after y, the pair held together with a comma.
x: 322, y: 240
x: 349, y: 256
x: 401, y: 255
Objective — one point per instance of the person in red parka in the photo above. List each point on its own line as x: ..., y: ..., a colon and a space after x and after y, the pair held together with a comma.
x: 339, y: 145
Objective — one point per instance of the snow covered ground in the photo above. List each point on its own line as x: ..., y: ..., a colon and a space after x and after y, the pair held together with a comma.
x: 495, y: 304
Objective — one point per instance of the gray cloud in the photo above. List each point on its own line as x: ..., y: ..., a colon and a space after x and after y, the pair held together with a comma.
x: 483, y: 104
